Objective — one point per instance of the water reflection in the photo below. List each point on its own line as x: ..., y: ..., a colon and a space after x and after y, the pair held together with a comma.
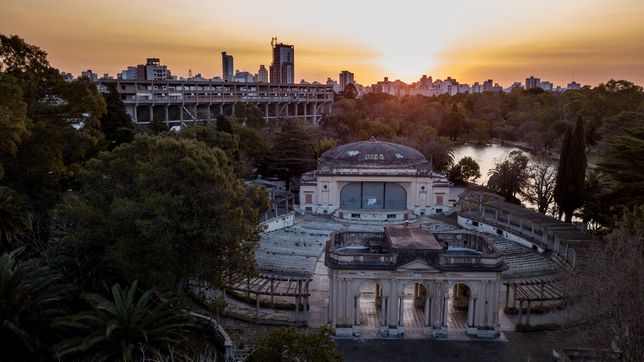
x: 485, y: 155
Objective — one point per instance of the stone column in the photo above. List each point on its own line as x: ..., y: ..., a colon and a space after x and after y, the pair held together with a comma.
x: 383, y: 310
x: 331, y: 305
x: 356, y: 318
x: 392, y: 308
x: 445, y: 309
x: 470, y: 310
x: 427, y: 308
x: 401, y: 313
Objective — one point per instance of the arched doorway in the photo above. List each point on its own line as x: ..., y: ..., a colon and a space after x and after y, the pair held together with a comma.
x: 370, y: 308
x: 458, y: 307
x: 414, y: 308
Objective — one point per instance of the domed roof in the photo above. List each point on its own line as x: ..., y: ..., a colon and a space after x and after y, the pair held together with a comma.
x: 373, y: 152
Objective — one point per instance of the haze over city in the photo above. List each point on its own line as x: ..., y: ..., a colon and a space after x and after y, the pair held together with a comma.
x: 586, y: 41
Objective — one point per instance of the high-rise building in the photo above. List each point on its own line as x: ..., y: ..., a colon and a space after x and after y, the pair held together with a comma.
x: 151, y: 70
x: 262, y: 74
x: 227, y: 73
x: 532, y: 82
x: 488, y: 85
x: 283, y: 66
x: 334, y: 84
x: 243, y: 77
x: 346, y: 78
x: 89, y: 75
x: 546, y: 86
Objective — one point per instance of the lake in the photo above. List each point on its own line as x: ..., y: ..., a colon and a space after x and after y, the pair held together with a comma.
x: 485, y: 155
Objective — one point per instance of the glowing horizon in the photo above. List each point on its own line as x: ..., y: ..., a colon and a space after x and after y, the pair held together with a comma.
x: 470, y: 40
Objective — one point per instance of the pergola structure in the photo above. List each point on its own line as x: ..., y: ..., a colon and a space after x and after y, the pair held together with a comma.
x: 548, y: 289
x: 270, y: 285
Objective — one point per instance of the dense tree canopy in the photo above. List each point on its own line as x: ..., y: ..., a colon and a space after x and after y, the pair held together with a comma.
x: 53, y: 126
x: 163, y: 210
x: 293, y: 151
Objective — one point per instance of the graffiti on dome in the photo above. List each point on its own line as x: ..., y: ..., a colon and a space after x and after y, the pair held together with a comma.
x: 353, y: 153
x: 371, y: 201
x: 399, y: 155
x: 374, y: 156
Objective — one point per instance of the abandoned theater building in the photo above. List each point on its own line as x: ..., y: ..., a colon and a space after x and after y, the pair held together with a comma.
x: 403, y: 277
x: 374, y: 181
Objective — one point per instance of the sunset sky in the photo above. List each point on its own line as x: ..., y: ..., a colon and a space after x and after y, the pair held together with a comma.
x: 470, y: 40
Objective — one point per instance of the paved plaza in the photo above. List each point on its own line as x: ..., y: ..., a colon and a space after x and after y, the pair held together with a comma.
x: 528, y: 347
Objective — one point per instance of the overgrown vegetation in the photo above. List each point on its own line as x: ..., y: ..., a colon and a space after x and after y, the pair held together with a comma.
x: 89, y: 204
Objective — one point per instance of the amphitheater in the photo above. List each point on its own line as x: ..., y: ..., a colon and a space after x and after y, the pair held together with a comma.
x: 295, y: 256
x: 363, y: 187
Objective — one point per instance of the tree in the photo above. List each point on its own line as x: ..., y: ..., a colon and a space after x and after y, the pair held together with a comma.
x: 14, y: 123
x: 15, y: 219
x: 157, y: 126
x: 466, y: 170
x: 509, y: 175
x: 63, y: 127
x: 596, y: 211
x: 607, y: 288
x: 31, y: 297
x: 124, y: 328
x: 249, y: 114
x: 293, y: 151
x: 623, y: 165
x: 322, y: 145
x: 350, y: 91
x: 569, y: 186
x: 539, y: 189
x: 453, y: 124
x: 224, y: 124
x: 163, y: 210
x: 116, y: 124
x: 288, y: 345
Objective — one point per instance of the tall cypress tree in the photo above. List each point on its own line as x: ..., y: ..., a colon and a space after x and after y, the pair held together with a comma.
x: 571, y: 172
x: 116, y: 124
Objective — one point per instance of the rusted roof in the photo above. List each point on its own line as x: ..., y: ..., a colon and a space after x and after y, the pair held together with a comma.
x: 411, y: 237
x: 373, y: 152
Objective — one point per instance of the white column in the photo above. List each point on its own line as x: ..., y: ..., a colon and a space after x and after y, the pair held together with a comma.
x: 401, y: 313
x: 392, y: 308
x: 331, y: 309
x: 356, y: 318
x: 445, y: 309
x: 383, y: 310
x: 470, y: 310
x: 427, y: 303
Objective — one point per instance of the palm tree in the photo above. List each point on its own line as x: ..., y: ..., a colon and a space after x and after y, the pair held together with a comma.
x: 15, y: 219
x: 31, y: 296
x: 124, y: 328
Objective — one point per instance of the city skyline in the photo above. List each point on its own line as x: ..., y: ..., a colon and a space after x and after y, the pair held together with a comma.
x: 586, y: 41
